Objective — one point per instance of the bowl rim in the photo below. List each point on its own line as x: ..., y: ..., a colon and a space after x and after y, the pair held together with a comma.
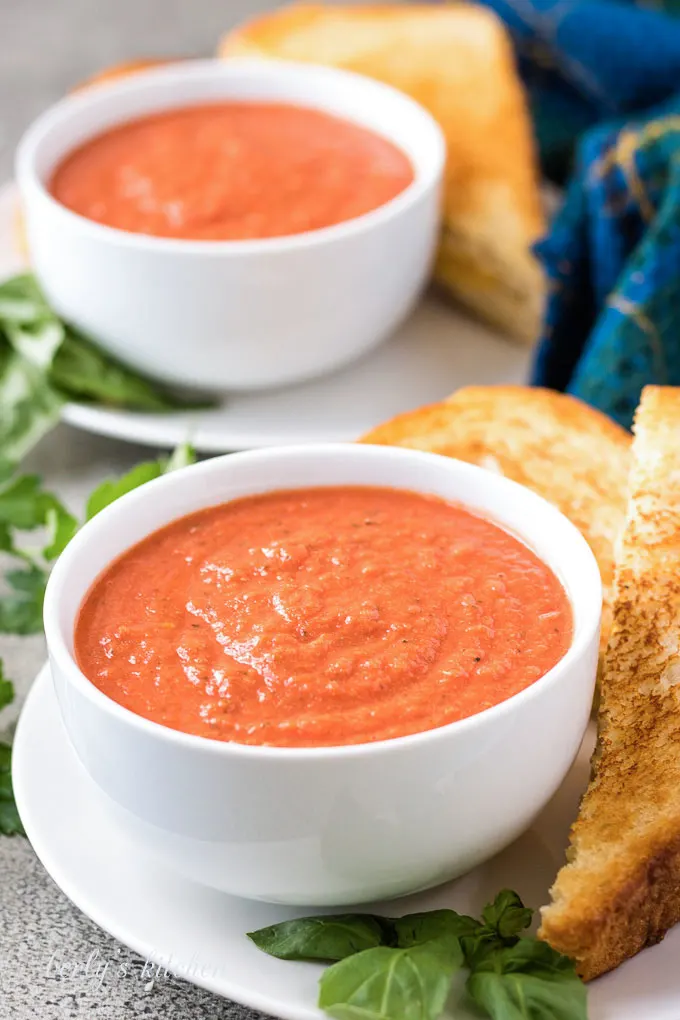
x: 585, y: 631
x: 51, y: 122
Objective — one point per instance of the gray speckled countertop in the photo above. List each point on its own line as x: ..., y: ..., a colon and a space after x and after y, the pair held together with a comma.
x: 45, y: 47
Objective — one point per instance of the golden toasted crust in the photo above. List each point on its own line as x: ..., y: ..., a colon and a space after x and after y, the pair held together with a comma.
x: 456, y: 60
x: 556, y: 445
x: 620, y: 890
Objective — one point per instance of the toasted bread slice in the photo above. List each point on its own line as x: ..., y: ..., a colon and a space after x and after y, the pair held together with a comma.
x: 567, y: 452
x: 457, y: 61
x: 620, y: 890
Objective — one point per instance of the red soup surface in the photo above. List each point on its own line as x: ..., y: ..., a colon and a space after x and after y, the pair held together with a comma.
x: 229, y: 171
x: 322, y: 616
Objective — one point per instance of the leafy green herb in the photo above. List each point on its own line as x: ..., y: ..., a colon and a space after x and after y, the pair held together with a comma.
x: 409, y: 978
x: 407, y: 974
x: 336, y: 936
x: 6, y: 469
x: 507, y: 916
x: 110, y: 491
x: 322, y: 938
x: 6, y: 689
x: 26, y: 506
x: 10, y: 823
x: 61, y: 526
x: 502, y: 922
x: 182, y: 456
x: 81, y: 371
x: 29, y: 406
x: 528, y: 981
x: 23, y: 503
x: 45, y: 362
x: 21, y: 610
x: 440, y: 925
x: 399, y: 984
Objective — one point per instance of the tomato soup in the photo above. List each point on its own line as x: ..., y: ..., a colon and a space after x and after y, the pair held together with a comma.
x: 320, y: 617
x: 231, y: 171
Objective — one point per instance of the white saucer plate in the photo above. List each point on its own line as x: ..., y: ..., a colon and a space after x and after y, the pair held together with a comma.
x: 199, y: 934
x: 437, y: 350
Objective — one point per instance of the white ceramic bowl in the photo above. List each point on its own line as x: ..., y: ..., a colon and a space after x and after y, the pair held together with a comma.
x: 235, y: 314
x: 331, y: 825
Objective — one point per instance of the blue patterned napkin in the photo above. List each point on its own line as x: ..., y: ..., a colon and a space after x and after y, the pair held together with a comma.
x: 608, y: 72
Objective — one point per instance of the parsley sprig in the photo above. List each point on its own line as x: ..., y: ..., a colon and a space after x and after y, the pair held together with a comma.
x: 10, y: 823
x: 27, y: 509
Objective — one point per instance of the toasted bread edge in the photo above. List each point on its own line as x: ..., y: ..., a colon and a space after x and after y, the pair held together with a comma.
x: 600, y: 927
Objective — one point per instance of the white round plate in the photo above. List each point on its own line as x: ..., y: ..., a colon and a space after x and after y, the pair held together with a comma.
x: 199, y: 934
x: 437, y: 350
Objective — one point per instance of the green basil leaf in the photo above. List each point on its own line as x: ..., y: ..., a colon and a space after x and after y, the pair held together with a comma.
x: 442, y: 925
x: 391, y: 984
x: 501, y: 923
x: 528, y: 981
x: 529, y: 955
x: 21, y: 611
x: 335, y: 936
x: 406, y: 974
x: 507, y: 915
x: 6, y: 691
x: 332, y: 937
x: 5, y: 758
